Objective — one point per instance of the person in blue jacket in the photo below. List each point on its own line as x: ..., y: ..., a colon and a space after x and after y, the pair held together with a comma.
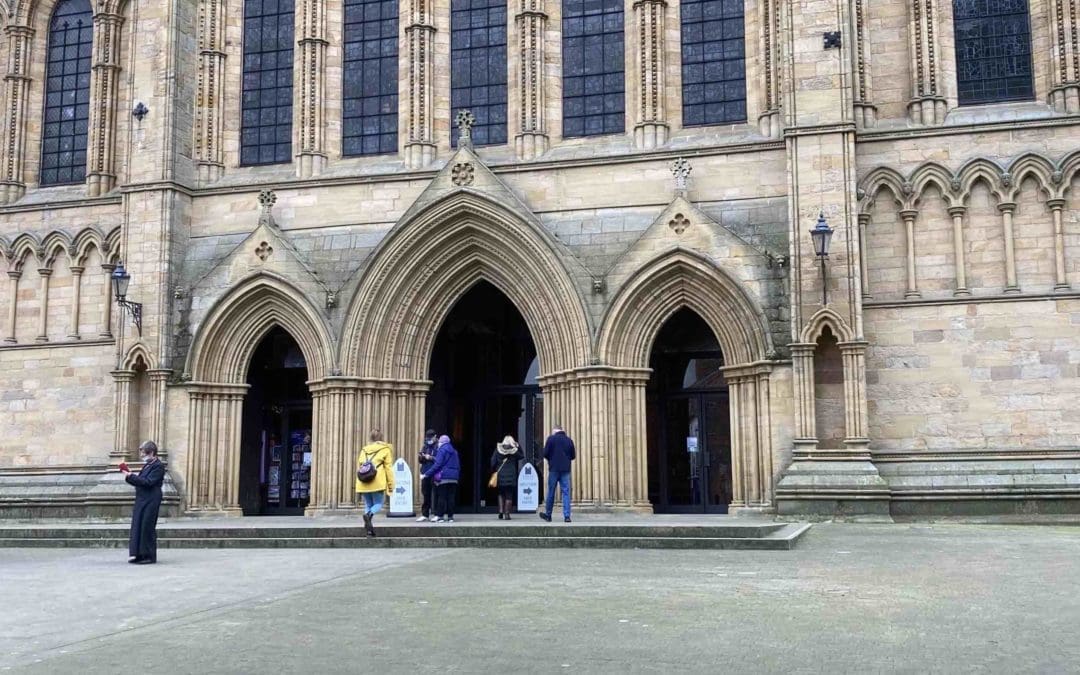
x: 559, y: 451
x: 445, y: 472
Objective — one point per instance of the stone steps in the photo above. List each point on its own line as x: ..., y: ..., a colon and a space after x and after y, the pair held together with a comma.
x: 764, y: 536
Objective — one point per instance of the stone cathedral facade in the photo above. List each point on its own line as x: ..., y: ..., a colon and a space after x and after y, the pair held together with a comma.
x: 490, y: 217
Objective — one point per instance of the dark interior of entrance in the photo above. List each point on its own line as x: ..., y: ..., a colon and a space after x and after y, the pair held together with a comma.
x: 275, y: 457
x: 484, y: 386
x: 688, y: 420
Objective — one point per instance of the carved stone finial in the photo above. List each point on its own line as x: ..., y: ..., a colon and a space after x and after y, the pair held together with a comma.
x: 267, y: 199
x: 465, y: 121
x: 681, y: 169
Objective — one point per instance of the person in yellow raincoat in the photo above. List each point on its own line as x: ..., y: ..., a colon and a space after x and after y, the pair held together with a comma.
x: 376, y: 491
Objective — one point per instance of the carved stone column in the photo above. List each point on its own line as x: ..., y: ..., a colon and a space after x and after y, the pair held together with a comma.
x: 43, y: 306
x: 212, y: 475
x: 106, y: 310
x: 1061, y: 280
x: 1007, y: 210
x: 312, y: 88
x: 957, y: 213
x: 1065, y: 56
x: 532, y: 140
x: 751, y: 437
x: 420, y: 37
x: 769, y: 122
x: 159, y: 378
x: 76, y: 300
x: 855, y: 419
x: 17, y: 89
x: 335, y: 436
x: 909, y: 230
x: 865, y: 111
x: 124, y: 381
x: 394, y: 406
x: 101, y: 143
x: 210, y: 95
x: 651, y: 129
x: 864, y: 274
x: 802, y: 362
x: 13, y: 295
x: 928, y: 105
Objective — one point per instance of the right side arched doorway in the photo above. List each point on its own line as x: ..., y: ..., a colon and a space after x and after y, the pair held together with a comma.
x: 688, y: 419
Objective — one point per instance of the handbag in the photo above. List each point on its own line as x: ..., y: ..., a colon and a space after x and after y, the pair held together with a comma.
x: 367, y: 471
x: 493, y: 482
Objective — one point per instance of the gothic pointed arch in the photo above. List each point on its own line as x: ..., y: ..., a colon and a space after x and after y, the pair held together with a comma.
x: 239, y: 320
x: 136, y: 353
x: 437, y: 254
x: 682, y: 279
x: 822, y: 318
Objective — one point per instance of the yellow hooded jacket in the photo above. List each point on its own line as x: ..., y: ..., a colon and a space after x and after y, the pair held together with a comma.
x: 382, y: 455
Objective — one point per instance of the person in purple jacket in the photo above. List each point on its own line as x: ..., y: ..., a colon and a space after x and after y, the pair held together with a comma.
x: 446, y: 472
x: 559, y: 451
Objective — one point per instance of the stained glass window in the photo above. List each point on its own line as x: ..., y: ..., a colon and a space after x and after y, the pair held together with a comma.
x: 993, y: 51
x: 594, y: 99
x: 267, y: 91
x: 713, y: 62
x: 67, y: 94
x: 370, y: 98
x: 478, y: 66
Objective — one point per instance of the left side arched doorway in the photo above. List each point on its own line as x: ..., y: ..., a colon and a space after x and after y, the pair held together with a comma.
x: 484, y: 370
x: 275, y: 446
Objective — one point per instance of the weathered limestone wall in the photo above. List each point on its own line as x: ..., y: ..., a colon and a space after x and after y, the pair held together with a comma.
x: 56, y: 403
x: 992, y: 376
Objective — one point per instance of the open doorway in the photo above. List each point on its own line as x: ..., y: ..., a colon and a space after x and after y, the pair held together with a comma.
x: 275, y: 457
x: 484, y: 371
x: 688, y: 420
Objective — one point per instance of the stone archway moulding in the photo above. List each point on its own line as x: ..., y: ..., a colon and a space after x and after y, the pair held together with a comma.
x: 218, y: 363
x: 649, y: 298
x: 430, y: 260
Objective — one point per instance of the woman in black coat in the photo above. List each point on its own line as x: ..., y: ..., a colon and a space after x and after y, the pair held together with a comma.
x: 505, y: 462
x: 142, y: 546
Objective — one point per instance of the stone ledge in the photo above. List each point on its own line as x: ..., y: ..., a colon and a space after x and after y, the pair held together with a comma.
x: 84, y: 492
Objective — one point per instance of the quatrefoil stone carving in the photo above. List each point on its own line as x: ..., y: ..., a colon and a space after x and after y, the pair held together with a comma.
x: 679, y: 223
x: 462, y: 174
x: 264, y: 251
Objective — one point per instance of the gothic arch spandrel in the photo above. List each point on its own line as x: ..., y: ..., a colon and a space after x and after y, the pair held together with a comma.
x: 676, y: 280
x: 431, y: 259
x: 239, y: 320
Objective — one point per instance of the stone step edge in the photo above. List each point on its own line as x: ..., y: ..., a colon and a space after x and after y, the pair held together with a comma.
x: 771, y: 543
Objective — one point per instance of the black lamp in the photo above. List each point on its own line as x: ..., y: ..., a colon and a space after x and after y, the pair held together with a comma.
x: 821, y: 234
x: 120, y: 281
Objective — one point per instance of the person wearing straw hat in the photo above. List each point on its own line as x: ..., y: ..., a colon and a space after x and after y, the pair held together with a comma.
x: 504, y: 465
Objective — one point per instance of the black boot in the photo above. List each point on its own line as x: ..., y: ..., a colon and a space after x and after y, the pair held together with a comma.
x: 368, y: 526
x: 508, y: 515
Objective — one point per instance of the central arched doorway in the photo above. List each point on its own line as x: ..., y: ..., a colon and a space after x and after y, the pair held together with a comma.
x: 688, y: 419
x: 484, y: 370
x: 275, y: 454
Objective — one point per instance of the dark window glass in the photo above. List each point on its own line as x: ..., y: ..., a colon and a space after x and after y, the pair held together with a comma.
x: 713, y: 62
x: 266, y: 104
x: 594, y: 97
x: 993, y: 51
x: 369, y: 115
x: 67, y: 94
x: 478, y: 67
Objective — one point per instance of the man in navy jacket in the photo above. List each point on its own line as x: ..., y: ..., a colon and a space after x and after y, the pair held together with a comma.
x: 559, y: 452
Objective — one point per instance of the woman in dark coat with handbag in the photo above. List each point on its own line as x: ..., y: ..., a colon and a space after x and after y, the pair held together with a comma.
x: 505, y: 463
x: 142, y: 546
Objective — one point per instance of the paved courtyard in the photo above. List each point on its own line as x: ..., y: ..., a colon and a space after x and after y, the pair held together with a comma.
x: 851, y: 598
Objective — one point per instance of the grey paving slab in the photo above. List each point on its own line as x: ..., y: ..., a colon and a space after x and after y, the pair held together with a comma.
x: 853, y: 598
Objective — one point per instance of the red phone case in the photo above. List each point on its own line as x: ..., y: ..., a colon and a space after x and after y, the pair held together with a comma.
x: 123, y: 466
